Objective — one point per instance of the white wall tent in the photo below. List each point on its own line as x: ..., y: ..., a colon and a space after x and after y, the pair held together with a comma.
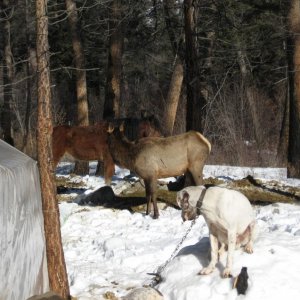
x: 23, y: 266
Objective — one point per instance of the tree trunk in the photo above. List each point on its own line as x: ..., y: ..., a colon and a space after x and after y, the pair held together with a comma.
x: 55, y: 257
x: 112, y: 102
x: 294, y: 131
x: 114, y: 69
x: 8, y: 74
x: 173, y: 97
x: 83, y: 111
x: 174, y: 92
x: 172, y: 21
x: 30, y: 70
x: 282, y: 148
x: 250, y: 94
x: 81, y: 168
x: 196, y: 100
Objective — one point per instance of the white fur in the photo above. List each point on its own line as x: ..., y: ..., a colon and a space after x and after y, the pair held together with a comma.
x: 229, y: 217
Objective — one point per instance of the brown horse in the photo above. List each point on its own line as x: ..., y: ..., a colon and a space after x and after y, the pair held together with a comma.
x: 83, y: 143
x: 90, y: 142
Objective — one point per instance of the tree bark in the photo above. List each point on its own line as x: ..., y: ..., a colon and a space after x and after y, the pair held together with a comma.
x: 81, y: 88
x: 112, y: 101
x: 83, y: 111
x: 196, y: 100
x: 30, y: 70
x: 55, y: 257
x: 114, y: 68
x: 282, y: 148
x: 250, y: 94
x: 173, y: 97
x: 175, y: 87
x: 172, y: 21
x: 8, y: 74
x: 294, y: 130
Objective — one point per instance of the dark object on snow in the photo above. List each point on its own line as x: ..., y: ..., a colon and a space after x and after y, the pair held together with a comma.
x: 103, y: 196
x: 177, y: 185
x: 182, y: 181
x: 241, y: 281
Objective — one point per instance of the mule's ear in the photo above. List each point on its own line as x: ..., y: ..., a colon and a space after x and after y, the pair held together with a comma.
x: 110, y: 128
x: 121, y: 127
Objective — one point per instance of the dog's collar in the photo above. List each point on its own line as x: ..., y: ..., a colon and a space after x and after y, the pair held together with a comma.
x: 200, y: 201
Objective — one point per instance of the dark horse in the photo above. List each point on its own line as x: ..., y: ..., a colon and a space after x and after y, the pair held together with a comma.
x: 137, y: 128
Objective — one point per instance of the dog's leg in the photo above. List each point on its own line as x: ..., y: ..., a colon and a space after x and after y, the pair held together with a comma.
x: 214, y: 245
x: 249, y: 245
x: 230, y: 253
x: 222, y: 249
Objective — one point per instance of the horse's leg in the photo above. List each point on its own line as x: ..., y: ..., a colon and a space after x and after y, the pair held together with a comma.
x: 148, y: 196
x: 188, y: 179
x: 153, y: 195
x: 58, y: 151
x: 109, y: 168
x: 197, y: 172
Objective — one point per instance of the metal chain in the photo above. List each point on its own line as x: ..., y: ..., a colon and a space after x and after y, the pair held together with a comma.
x: 157, y: 277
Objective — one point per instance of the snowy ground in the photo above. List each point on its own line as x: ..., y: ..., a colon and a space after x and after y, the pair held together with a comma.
x: 113, y: 250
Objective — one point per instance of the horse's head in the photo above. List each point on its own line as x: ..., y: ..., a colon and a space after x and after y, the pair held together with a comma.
x: 149, y: 126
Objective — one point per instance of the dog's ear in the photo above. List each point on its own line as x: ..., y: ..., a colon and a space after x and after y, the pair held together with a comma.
x: 184, y: 203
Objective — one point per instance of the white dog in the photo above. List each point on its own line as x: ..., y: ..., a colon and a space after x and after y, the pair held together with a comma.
x: 229, y: 216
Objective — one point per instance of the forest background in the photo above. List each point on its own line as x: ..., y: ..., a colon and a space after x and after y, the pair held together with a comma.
x: 225, y: 68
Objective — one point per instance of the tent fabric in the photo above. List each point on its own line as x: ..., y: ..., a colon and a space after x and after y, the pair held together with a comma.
x: 23, y: 265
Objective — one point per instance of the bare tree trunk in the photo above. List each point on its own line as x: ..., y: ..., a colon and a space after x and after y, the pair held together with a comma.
x: 196, y: 101
x: 8, y: 74
x: 249, y: 89
x: 114, y: 69
x: 55, y: 256
x: 173, y: 97
x: 83, y: 111
x: 82, y: 101
x: 112, y: 102
x: 175, y: 87
x: 30, y: 70
x: 294, y: 132
x: 282, y: 148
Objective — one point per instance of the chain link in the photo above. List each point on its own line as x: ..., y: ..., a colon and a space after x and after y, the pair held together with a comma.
x: 157, y: 277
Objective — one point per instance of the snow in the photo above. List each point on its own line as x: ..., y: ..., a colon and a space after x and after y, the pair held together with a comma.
x: 110, y: 250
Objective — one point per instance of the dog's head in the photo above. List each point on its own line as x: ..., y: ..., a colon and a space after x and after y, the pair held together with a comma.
x: 187, y: 200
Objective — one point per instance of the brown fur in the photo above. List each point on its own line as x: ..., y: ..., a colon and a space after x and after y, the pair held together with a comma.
x: 147, y: 128
x: 155, y: 157
x: 83, y: 143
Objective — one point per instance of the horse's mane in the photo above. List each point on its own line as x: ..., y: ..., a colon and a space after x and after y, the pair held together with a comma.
x: 131, y: 125
x: 155, y: 123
